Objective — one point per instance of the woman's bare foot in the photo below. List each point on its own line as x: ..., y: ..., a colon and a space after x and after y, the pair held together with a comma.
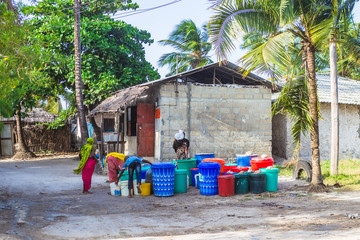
x: 129, y: 196
x: 87, y: 192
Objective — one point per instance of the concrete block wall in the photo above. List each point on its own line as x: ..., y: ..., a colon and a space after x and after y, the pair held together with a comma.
x: 225, y: 120
x: 349, y: 134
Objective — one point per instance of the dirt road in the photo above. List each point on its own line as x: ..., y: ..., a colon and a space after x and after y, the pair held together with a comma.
x: 42, y: 200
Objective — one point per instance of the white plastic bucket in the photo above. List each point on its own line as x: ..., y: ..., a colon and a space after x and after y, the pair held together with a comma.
x: 124, y: 188
x: 114, y: 189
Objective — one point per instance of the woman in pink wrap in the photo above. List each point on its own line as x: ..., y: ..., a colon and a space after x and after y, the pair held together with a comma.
x: 87, y: 164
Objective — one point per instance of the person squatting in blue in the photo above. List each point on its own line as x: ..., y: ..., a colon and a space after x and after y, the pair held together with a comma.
x: 133, y: 163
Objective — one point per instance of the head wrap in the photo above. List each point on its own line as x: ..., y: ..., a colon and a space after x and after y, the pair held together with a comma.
x: 179, y: 136
x: 116, y: 155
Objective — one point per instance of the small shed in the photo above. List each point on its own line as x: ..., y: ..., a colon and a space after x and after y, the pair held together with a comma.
x: 36, y: 136
x: 220, y: 111
x: 349, y: 122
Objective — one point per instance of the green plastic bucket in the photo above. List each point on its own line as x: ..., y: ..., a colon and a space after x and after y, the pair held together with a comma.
x: 272, y: 179
x: 180, y: 181
x: 241, y: 183
x: 187, y: 164
x: 257, y: 183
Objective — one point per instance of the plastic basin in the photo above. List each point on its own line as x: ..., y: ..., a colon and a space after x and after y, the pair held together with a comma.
x: 187, y: 164
x: 261, y: 162
x: 218, y: 160
x: 243, y: 160
x: 200, y: 156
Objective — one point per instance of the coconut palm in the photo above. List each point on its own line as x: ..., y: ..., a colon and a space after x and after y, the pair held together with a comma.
x: 285, y: 22
x: 192, y: 48
x: 341, y: 9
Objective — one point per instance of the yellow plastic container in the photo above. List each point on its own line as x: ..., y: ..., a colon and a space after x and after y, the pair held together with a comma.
x: 145, y: 189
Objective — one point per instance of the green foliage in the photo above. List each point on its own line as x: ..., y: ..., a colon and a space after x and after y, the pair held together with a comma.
x: 113, y: 55
x: 62, y: 118
x: 192, y: 48
x: 22, y: 81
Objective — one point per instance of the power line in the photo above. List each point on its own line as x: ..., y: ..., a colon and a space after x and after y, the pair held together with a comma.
x: 121, y: 15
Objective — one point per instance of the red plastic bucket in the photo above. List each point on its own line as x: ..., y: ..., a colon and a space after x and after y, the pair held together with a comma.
x: 261, y: 162
x: 226, y: 185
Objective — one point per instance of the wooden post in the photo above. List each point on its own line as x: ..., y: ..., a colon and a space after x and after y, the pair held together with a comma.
x: 214, y: 76
x: 118, y: 131
x: 101, y: 135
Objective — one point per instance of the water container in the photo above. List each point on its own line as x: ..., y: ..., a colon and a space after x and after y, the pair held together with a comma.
x: 261, y: 162
x: 241, y: 183
x: 257, y: 182
x: 200, y: 156
x: 193, y: 172
x: 125, y: 176
x: 197, y: 181
x: 208, y: 177
x: 124, y: 188
x: 230, y: 164
x: 145, y: 189
x: 187, y: 164
x: 226, y: 185
x: 163, y: 176
x: 114, y: 189
x: 180, y: 181
x: 243, y: 160
x: 228, y: 168
x: 272, y: 179
x: 144, y: 169
x: 221, y: 161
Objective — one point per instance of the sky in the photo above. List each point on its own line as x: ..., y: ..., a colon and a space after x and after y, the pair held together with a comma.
x: 161, y: 22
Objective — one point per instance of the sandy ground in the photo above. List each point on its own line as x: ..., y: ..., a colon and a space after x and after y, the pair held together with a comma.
x: 42, y: 199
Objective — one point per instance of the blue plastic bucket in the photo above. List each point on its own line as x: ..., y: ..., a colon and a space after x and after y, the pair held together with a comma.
x: 143, y: 171
x: 163, y: 176
x: 244, y: 160
x: 208, y: 177
x: 200, y: 156
x: 193, y: 172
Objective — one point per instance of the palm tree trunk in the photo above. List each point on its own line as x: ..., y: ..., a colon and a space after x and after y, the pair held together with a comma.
x: 334, y: 157
x: 313, y: 107
x: 78, y: 81
x: 23, y: 151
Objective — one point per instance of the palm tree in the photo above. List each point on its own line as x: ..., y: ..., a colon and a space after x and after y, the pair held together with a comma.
x: 341, y: 8
x: 285, y: 22
x: 192, y: 45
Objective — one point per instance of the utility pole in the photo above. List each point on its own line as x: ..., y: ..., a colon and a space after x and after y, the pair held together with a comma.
x: 78, y: 80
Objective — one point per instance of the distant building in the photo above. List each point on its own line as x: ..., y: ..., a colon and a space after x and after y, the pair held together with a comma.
x: 221, y: 112
x: 349, y: 118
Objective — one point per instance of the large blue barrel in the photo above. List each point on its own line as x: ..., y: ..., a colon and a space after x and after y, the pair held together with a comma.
x: 163, y: 176
x: 208, y: 177
x: 200, y: 156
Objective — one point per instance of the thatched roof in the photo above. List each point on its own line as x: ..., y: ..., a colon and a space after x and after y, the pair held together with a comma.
x: 213, y: 74
x: 118, y: 100
x: 37, y: 115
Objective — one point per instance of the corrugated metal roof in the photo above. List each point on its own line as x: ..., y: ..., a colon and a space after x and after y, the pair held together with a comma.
x: 348, y: 90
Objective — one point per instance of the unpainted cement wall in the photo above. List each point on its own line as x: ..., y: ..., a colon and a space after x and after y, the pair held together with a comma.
x: 225, y: 120
x: 349, y: 134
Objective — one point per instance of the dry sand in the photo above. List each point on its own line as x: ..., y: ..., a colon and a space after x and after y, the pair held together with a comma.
x: 42, y: 199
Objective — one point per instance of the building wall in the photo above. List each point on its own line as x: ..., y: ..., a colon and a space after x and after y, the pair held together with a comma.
x: 225, y: 120
x: 349, y: 133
